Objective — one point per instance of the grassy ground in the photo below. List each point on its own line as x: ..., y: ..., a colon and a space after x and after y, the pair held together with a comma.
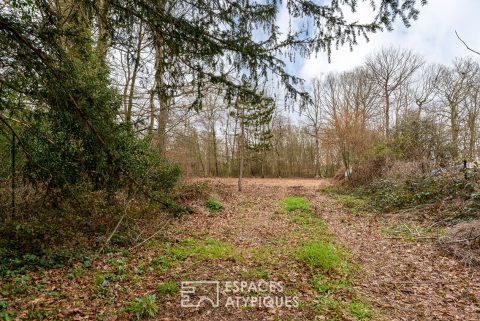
x: 248, y: 237
x: 327, y: 250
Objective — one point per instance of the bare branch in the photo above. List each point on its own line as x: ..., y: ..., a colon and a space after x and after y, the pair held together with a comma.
x: 474, y: 51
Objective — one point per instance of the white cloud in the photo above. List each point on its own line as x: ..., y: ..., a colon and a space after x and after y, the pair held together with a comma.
x: 432, y: 36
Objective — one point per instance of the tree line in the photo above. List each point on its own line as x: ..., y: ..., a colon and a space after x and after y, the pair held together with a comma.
x: 396, y: 103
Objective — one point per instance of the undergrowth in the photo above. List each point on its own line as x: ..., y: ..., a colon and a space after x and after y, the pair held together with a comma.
x: 68, y: 231
x: 450, y: 197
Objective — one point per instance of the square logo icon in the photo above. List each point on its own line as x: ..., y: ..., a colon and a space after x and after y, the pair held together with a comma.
x: 194, y: 294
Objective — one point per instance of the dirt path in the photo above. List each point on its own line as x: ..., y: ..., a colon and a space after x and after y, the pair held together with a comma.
x: 406, y: 280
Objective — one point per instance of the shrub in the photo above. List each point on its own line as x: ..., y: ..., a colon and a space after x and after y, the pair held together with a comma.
x: 388, y: 195
x: 472, y: 206
x: 213, y: 204
x: 189, y: 191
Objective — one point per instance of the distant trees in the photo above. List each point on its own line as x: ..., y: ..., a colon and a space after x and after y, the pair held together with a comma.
x: 436, y: 111
x: 451, y: 87
x: 349, y: 101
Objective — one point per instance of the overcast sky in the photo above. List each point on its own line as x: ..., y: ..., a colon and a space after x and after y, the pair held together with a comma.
x: 432, y: 36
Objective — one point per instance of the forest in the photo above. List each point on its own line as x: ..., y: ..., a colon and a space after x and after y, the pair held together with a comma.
x: 165, y: 160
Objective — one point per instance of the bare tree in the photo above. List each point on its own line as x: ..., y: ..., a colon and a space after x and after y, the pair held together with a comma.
x: 313, y: 113
x: 472, y: 104
x: 424, y: 87
x: 390, y: 68
x: 450, y: 85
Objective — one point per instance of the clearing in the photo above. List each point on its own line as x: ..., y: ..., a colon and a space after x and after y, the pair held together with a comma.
x: 338, y: 263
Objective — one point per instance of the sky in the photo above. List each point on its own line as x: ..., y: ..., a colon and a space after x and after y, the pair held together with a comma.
x: 431, y: 36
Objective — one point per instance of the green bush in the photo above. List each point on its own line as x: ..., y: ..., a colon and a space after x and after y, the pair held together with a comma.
x: 389, y: 196
x: 213, y: 204
x: 472, y: 206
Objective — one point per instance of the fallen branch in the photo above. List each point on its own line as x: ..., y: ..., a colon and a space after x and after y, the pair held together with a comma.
x: 151, y: 236
x: 125, y: 206
x: 421, y: 282
x: 412, y: 238
x: 462, y: 240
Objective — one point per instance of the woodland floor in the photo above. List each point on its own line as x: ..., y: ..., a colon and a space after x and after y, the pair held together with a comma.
x: 378, y: 276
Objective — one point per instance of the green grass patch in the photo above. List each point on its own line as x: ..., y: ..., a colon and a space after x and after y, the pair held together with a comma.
x: 309, y: 221
x: 330, y: 306
x: 168, y: 288
x: 321, y: 254
x: 161, y: 263
x: 323, y: 284
x: 4, y: 313
x: 256, y: 274
x: 296, y: 203
x: 266, y: 255
x: 143, y: 307
x: 339, y: 310
x: 209, y: 249
x: 76, y: 272
x: 353, y: 199
x: 7, y: 315
x: 213, y: 204
x: 360, y: 310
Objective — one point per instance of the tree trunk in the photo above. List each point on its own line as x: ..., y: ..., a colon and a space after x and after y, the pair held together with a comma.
x: 454, y: 130
x: 234, y: 144
x: 163, y: 102
x: 472, y: 127
x: 152, y: 112
x: 227, y: 156
x: 128, y: 115
x: 241, y: 149
x: 164, y: 111
x: 387, y: 113
x: 317, y: 155
x: 215, y: 155
x: 103, y: 40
